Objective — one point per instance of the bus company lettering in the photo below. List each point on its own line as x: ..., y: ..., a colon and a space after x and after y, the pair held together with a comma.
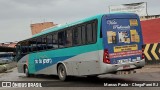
x: 43, y: 61
x: 120, y: 27
x: 111, y: 22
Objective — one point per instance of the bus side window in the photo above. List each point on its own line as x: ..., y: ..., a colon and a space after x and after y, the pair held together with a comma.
x: 30, y: 49
x: 89, y: 33
x: 77, y: 36
x: 83, y: 35
x: 24, y: 47
x: 39, y: 44
x: 49, y: 42
x: 19, y: 49
x: 44, y: 41
x: 94, y: 25
x: 29, y: 46
x: 33, y: 44
x: 69, y: 38
x: 55, y: 40
x: 61, y: 39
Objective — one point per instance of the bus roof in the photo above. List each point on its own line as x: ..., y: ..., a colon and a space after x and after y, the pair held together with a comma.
x: 58, y: 27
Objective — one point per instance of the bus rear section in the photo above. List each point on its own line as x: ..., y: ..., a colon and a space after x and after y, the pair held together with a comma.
x: 122, y: 43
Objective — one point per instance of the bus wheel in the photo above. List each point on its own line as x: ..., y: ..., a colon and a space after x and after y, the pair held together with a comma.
x: 62, y: 72
x: 27, y: 72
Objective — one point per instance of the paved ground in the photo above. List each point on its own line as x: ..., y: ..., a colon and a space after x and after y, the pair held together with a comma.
x: 148, y: 73
x: 149, y: 68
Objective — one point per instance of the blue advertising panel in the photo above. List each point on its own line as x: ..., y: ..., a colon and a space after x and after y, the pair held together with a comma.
x: 122, y: 37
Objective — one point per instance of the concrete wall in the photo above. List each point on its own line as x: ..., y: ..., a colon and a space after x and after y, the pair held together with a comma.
x: 151, y: 31
x: 149, y: 17
x: 151, y: 38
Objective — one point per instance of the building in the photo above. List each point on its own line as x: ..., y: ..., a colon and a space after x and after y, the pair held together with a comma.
x: 7, y: 52
x: 8, y: 44
x: 143, y: 18
x: 39, y: 27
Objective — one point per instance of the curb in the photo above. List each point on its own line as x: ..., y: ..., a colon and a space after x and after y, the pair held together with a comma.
x: 152, y: 66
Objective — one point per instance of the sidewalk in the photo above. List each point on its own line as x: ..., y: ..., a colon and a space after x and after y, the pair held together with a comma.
x: 152, y: 66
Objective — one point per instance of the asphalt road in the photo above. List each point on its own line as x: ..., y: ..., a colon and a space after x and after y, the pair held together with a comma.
x: 79, y: 83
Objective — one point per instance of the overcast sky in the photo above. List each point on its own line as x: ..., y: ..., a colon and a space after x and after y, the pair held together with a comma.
x: 17, y: 15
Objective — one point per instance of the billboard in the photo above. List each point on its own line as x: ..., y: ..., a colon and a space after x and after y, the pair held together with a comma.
x: 138, y: 8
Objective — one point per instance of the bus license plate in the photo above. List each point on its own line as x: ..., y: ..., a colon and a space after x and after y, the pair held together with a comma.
x: 126, y: 66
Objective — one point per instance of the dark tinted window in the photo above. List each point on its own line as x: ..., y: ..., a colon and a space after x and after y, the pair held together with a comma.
x: 44, y: 42
x: 49, y: 42
x: 69, y: 38
x: 83, y: 35
x: 89, y: 33
x: 77, y: 36
x: 94, y: 31
x: 55, y: 40
x: 62, y: 39
x: 33, y: 45
x: 39, y: 44
x: 24, y: 47
x: 30, y: 45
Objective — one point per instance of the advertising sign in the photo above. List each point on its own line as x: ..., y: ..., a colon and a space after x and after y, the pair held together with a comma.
x: 122, y: 38
x: 138, y: 8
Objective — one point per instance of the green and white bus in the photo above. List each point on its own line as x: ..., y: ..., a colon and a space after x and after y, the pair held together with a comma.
x: 97, y: 45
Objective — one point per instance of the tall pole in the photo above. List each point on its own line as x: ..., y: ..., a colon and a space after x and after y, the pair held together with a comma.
x: 109, y: 9
x: 146, y: 8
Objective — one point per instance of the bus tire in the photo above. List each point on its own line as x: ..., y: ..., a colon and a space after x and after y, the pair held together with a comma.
x: 62, y: 72
x: 26, y: 71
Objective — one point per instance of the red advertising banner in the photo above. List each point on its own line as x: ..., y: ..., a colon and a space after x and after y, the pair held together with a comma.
x: 124, y: 54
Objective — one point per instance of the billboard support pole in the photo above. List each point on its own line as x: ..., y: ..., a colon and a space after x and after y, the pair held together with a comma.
x: 146, y: 9
x: 109, y: 8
